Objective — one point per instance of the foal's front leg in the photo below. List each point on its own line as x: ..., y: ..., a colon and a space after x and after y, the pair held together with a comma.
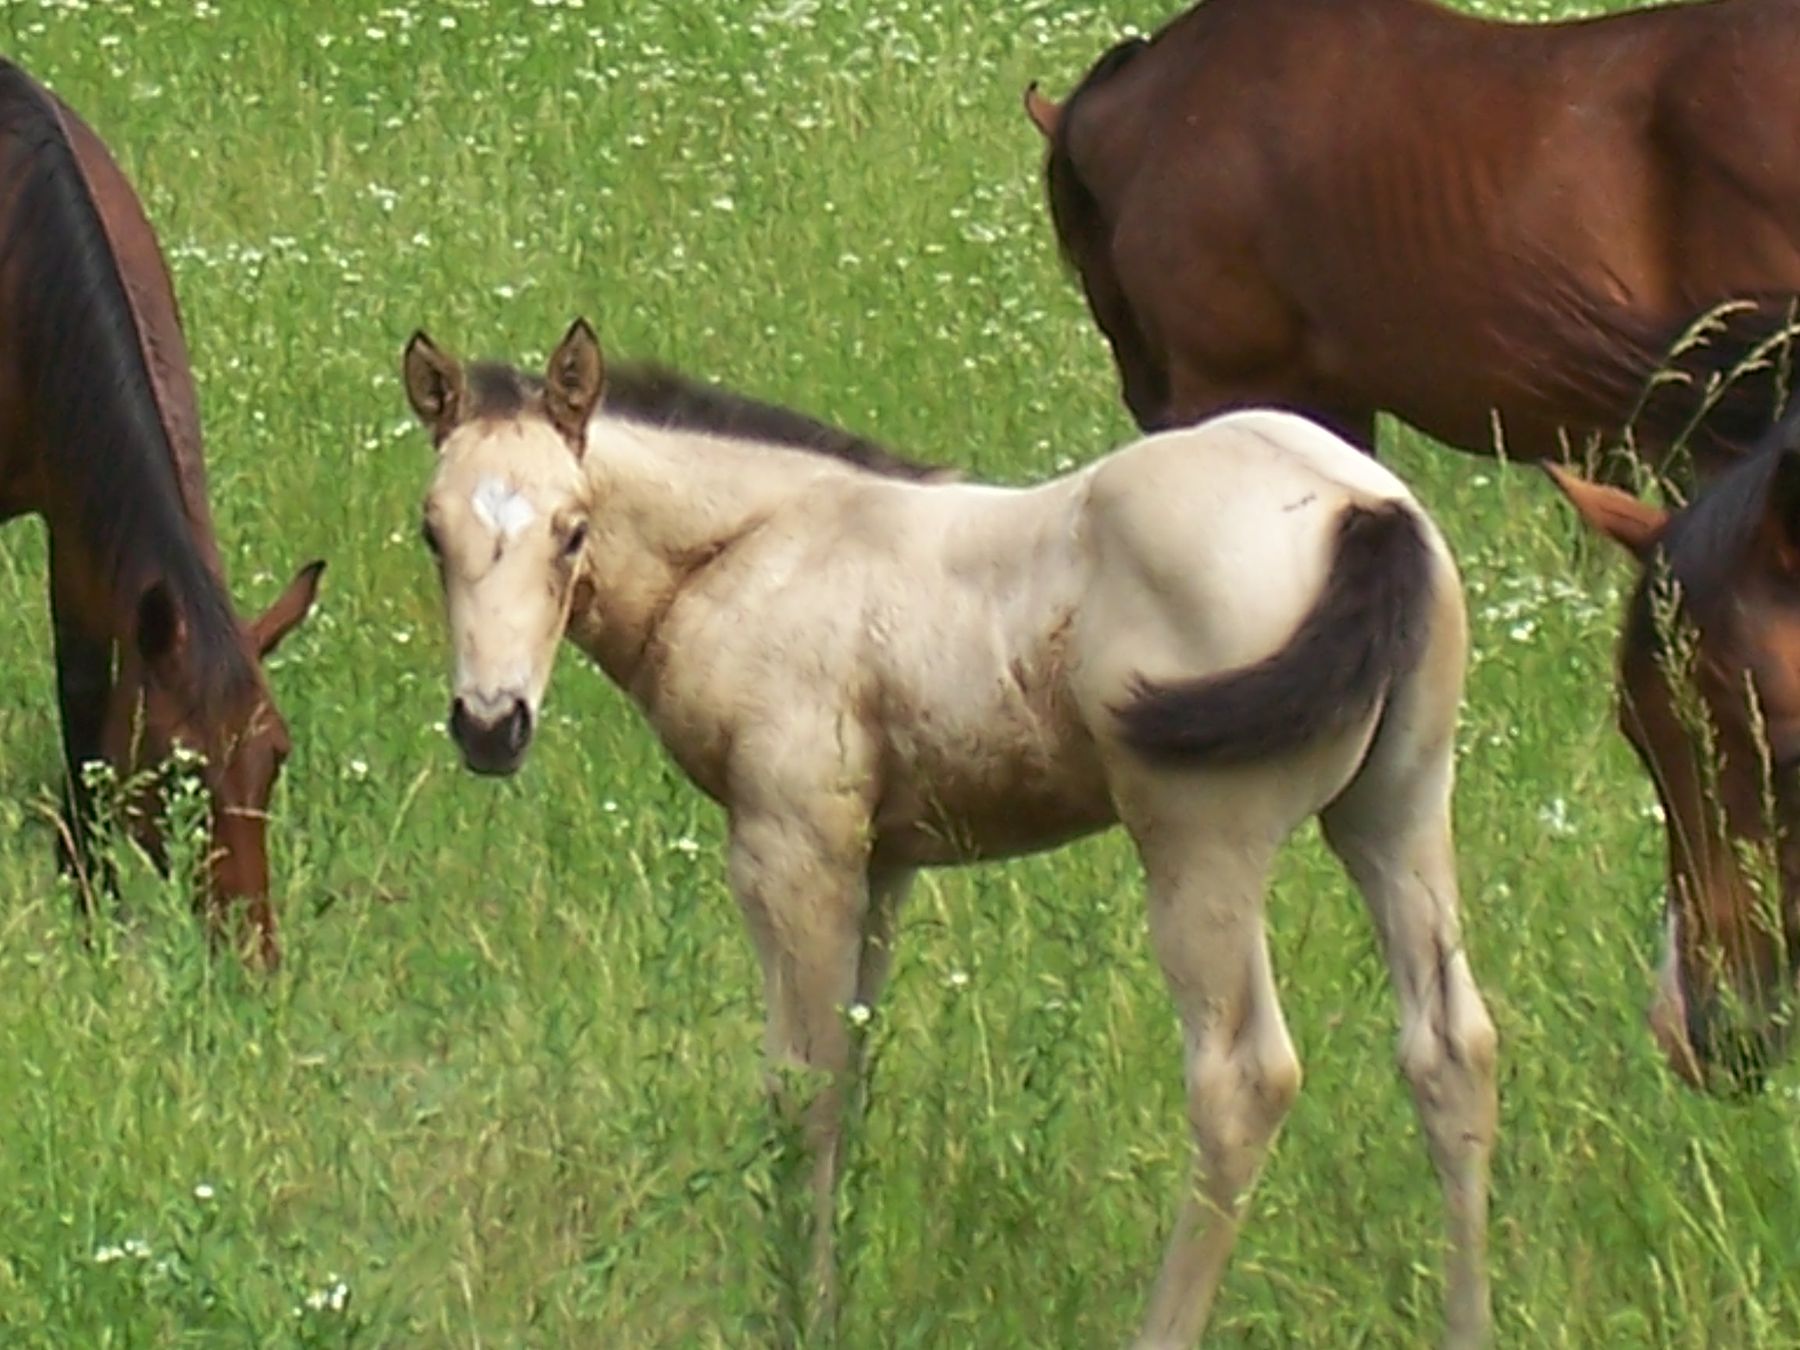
x: 804, y: 889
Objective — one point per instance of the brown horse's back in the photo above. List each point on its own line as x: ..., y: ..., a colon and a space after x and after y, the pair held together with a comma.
x: 1341, y: 206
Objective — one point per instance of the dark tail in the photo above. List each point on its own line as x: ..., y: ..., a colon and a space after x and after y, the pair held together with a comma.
x: 1364, y: 633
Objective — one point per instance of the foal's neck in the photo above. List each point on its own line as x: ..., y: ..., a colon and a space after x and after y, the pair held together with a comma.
x: 668, y: 504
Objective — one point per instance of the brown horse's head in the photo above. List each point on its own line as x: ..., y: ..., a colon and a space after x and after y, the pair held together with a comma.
x: 179, y: 690
x: 1709, y: 697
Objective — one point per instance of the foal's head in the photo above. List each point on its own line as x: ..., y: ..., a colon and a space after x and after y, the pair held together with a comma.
x: 192, y: 681
x: 506, y: 519
x: 1709, y: 696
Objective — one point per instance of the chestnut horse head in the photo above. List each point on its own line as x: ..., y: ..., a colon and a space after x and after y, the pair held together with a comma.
x: 99, y: 435
x: 190, y: 684
x: 1709, y: 697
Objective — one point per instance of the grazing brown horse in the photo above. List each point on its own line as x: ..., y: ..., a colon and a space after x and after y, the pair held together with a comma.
x: 1349, y: 206
x: 99, y: 435
x: 1709, y: 697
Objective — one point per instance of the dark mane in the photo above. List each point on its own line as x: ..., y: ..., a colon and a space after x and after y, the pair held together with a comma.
x: 654, y: 395
x: 1713, y: 383
x: 82, y: 368
x: 1705, y: 544
x: 646, y: 392
x: 1740, y: 357
x: 495, y: 389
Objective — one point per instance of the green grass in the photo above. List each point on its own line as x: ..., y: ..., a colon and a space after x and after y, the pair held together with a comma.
x: 506, y: 1089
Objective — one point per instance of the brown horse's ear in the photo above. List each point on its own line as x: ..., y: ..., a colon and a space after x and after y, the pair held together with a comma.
x: 1044, y: 113
x: 1611, y: 511
x: 290, y: 607
x: 434, y: 386
x: 572, y: 383
x: 161, y: 631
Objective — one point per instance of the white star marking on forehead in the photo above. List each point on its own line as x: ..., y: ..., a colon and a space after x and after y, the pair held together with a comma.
x: 502, y: 508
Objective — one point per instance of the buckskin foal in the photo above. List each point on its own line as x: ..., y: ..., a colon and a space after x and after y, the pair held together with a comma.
x: 1208, y: 637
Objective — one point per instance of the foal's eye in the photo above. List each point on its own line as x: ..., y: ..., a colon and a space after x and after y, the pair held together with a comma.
x: 430, y: 537
x: 577, y: 537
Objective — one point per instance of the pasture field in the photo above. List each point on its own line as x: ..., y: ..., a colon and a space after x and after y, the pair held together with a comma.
x: 505, y: 1090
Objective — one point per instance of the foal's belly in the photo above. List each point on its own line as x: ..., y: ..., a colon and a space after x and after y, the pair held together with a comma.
x: 962, y: 805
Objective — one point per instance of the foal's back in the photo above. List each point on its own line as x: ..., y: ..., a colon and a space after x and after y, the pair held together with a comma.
x: 1188, y: 554
x: 1210, y: 545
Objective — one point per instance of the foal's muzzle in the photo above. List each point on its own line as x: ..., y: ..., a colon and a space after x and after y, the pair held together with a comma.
x: 494, y: 746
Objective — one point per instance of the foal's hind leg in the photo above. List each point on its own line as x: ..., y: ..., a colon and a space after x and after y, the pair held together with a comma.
x: 1206, y: 882
x: 1392, y: 829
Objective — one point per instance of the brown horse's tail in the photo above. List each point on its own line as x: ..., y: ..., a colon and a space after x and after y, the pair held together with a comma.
x: 1364, y: 633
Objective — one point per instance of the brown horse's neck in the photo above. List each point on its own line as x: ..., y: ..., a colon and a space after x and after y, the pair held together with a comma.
x: 156, y: 319
x: 100, y: 411
x: 669, y: 504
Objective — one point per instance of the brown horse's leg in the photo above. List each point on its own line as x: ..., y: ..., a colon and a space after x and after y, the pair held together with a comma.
x: 84, y: 678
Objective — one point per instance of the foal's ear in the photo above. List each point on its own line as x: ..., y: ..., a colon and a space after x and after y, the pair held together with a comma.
x: 1044, y: 112
x: 161, y: 630
x: 1617, y: 514
x: 572, y: 383
x: 290, y: 607
x: 434, y: 386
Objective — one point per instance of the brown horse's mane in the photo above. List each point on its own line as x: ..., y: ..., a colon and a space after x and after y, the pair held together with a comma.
x: 1706, y: 543
x: 654, y: 395
x: 92, y: 398
x: 1716, y: 382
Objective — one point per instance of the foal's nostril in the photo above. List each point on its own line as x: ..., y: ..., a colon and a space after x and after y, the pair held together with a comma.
x: 517, y: 728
